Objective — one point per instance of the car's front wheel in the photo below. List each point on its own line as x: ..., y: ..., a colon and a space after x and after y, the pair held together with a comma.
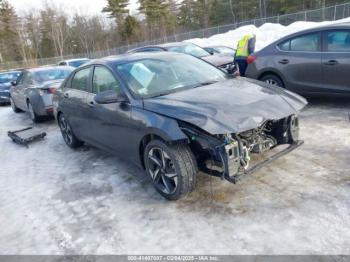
x: 67, y: 132
x: 272, y: 80
x: 172, y: 168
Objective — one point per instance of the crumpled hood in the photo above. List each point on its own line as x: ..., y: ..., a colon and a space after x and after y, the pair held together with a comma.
x: 231, y: 106
x: 218, y: 60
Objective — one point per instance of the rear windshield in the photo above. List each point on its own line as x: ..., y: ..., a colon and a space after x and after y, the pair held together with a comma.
x: 78, y: 62
x: 9, y: 76
x: 51, y: 74
x: 190, y: 49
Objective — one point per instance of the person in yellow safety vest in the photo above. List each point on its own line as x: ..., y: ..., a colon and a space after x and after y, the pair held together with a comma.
x: 245, y: 47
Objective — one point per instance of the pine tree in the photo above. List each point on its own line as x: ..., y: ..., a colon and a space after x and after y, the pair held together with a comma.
x: 117, y: 9
x: 9, y: 49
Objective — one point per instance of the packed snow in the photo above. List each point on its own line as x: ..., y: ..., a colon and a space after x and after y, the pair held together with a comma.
x: 265, y: 34
x: 54, y: 200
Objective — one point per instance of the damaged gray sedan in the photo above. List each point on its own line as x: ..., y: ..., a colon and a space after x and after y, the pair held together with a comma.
x: 175, y: 115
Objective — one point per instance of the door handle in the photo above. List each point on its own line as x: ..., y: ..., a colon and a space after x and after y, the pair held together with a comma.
x: 331, y: 62
x: 91, y: 104
x: 66, y: 95
x: 284, y: 61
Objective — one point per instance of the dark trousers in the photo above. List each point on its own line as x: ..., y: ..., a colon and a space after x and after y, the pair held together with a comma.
x: 242, y: 65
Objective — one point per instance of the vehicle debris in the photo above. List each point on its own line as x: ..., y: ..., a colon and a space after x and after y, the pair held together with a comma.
x: 26, y: 136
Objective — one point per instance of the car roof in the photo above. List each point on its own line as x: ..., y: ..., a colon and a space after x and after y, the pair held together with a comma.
x: 343, y: 25
x: 44, y: 68
x: 75, y: 59
x: 333, y: 26
x: 10, y: 72
x: 131, y: 57
x: 174, y: 44
x: 163, y: 46
x: 216, y: 46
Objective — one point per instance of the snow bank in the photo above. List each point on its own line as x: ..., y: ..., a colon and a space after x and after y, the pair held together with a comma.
x: 266, y: 34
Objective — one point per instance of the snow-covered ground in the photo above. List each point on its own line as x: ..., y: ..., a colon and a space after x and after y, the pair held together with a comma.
x: 265, y: 34
x: 54, y: 200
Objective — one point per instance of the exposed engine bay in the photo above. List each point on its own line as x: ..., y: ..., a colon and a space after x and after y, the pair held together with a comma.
x: 229, y: 156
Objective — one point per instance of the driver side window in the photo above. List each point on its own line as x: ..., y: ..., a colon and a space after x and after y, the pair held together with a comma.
x: 103, y: 80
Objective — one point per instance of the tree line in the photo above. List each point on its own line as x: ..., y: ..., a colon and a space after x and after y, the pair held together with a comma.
x: 51, y: 31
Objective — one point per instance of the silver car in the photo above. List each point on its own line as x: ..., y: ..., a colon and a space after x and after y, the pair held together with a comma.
x: 34, y: 89
x: 314, y: 61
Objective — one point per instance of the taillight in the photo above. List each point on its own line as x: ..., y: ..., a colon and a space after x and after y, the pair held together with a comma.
x: 251, y: 59
x: 51, y: 90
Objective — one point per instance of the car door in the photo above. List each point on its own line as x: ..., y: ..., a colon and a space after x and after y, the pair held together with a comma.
x: 336, y: 61
x: 19, y: 91
x: 299, y: 61
x: 110, y: 124
x: 73, y: 102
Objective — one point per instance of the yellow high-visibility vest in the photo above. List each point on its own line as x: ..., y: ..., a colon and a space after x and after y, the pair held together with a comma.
x: 242, y: 48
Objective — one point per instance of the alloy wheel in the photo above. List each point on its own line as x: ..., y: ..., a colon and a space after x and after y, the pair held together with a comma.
x: 162, y: 170
x: 66, y: 130
x: 271, y: 82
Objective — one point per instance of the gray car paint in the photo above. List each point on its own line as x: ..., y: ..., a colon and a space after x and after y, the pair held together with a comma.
x: 305, y: 72
x: 24, y: 92
x: 120, y: 128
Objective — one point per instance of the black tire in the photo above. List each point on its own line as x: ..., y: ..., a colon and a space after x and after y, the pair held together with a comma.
x: 179, y: 161
x: 14, y: 107
x: 67, y: 133
x: 33, y: 115
x: 272, y: 80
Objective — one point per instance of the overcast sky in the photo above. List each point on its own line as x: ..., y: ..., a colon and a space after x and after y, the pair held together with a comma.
x: 84, y: 6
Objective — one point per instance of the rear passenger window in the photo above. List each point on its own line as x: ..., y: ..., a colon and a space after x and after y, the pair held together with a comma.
x: 338, y: 41
x: 80, y: 80
x: 306, y: 43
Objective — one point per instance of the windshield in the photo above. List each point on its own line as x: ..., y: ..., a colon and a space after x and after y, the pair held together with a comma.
x: 225, y: 50
x: 190, y: 49
x: 78, y: 63
x: 51, y: 74
x: 9, y: 76
x: 151, y: 77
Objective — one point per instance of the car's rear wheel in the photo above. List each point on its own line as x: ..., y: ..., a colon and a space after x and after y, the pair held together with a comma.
x: 13, y: 106
x: 272, y: 80
x: 33, y: 115
x: 67, y: 133
x: 172, y: 168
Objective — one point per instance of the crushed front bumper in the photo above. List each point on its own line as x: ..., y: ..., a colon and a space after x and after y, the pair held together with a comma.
x: 230, y: 161
x: 233, y: 178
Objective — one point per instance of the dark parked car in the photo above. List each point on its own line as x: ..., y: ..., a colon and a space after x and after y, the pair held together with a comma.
x: 222, y: 61
x: 220, y: 50
x: 5, y: 84
x: 173, y: 114
x: 313, y: 61
x: 74, y: 62
x: 34, y: 89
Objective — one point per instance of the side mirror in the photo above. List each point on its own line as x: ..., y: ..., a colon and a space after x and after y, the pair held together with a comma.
x: 211, y: 52
x: 14, y: 82
x: 109, y: 97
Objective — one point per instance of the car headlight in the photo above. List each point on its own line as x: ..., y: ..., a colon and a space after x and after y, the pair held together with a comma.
x: 228, y: 67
